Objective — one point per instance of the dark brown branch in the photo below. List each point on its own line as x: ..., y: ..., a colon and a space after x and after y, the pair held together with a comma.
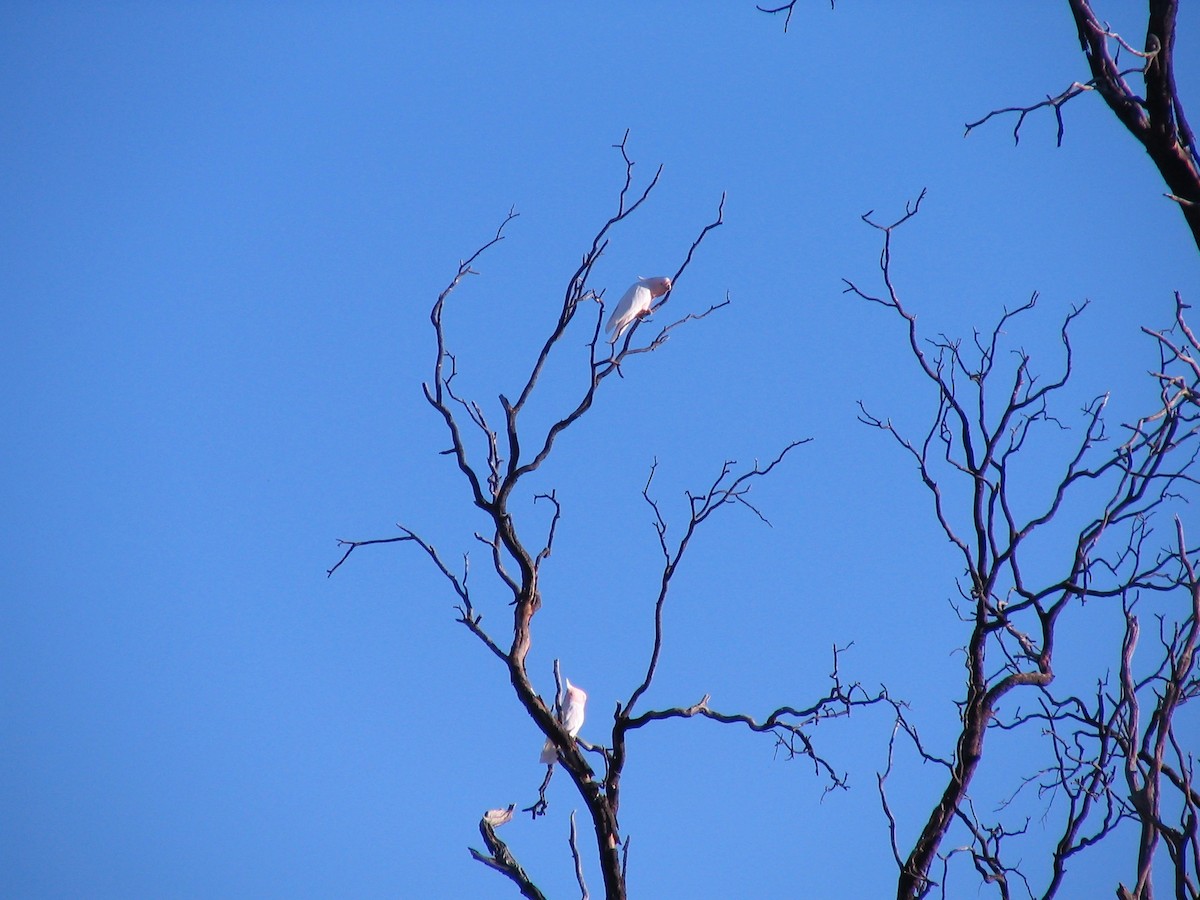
x: 1056, y: 103
x: 723, y: 490
x: 544, y: 553
x: 786, y: 723
x: 497, y: 554
x: 973, y: 442
x: 984, y: 851
x: 613, y: 363
x: 1146, y: 747
x: 577, y: 285
x: 351, y: 546
x: 438, y: 394
x: 881, y: 783
x: 491, y: 486
x: 503, y: 861
x: 539, y: 806
x: 662, y: 336
x: 716, y: 223
x: 1073, y: 90
x: 787, y: 8
x: 1158, y: 121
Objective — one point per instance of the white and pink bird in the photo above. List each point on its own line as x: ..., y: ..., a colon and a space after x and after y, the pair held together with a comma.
x: 636, y: 303
x: 571, y: 718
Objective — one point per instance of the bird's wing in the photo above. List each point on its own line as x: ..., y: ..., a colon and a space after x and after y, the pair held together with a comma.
x: 573, y: 717
x: 636, y: 299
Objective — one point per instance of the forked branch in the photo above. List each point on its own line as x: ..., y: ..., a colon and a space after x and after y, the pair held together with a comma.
x: 984, y: 420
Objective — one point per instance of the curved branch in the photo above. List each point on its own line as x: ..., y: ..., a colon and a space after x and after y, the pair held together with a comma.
x: 503, y: 861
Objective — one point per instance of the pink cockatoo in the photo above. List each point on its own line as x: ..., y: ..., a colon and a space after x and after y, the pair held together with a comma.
x: 571, y: 718
x: 635, y: 304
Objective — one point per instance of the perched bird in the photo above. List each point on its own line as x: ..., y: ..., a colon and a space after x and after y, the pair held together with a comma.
x: 498, y: 817
x: 571, y: 718
x: 635, y: 304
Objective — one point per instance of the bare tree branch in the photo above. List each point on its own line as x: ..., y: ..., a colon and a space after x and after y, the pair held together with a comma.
x: 491, y: 483
x: 977, y: 444
x: 1157, y: 121
x: 787, y: 8
x: 583, y: 891
x: 503, y: 861
x: 788, y: 724
x: 725, y: 489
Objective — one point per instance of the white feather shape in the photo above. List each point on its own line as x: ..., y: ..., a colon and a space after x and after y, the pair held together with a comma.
x: 635, y: 303
x: 571, y: 718
x: 498, y: 817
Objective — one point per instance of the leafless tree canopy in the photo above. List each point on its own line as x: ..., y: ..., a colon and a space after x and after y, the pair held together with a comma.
x: 988, y: 414
x: 1115, y: 758
x: 509, y: 454
x: 1114, y: 763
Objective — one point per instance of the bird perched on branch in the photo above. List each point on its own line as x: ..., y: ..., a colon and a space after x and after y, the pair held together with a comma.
x: 636, y: 303
x: 571, y: 718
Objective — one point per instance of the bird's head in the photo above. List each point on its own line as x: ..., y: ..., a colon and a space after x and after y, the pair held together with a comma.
x: 658, y: 286
x: 575, y: 694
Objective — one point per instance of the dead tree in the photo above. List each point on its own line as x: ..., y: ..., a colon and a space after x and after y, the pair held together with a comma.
x: 1120, y: 757
x: 988, y: 413
x: 496, y: 456
x: 1155, y: 117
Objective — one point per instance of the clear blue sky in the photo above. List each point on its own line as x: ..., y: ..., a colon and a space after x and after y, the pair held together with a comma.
x: 221, y: 229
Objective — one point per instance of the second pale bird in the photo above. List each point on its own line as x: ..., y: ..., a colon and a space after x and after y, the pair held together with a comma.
x: 571, y: 718
x: 635, y: 304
